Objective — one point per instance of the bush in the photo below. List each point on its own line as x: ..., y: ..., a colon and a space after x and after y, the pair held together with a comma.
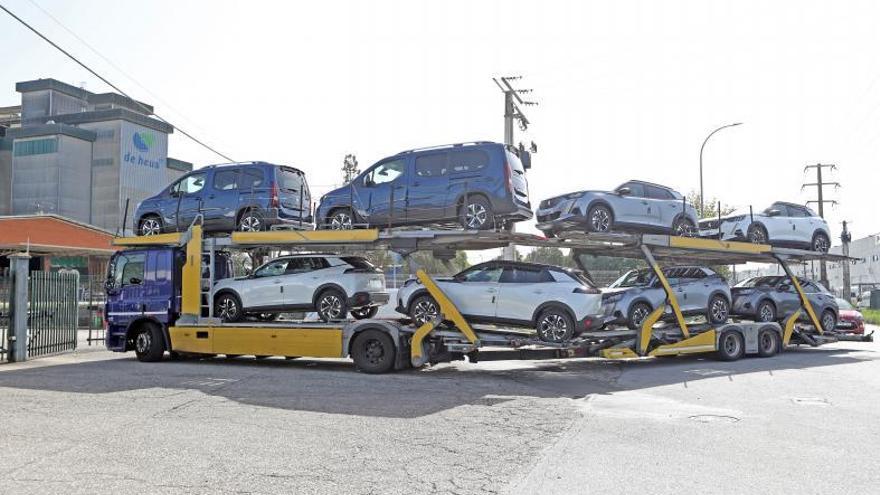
x: 872, y: 316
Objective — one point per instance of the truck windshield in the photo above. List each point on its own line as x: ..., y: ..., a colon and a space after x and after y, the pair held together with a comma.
x: 126, y: 269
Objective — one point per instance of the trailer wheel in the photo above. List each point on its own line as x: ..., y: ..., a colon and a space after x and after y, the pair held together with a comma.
x: 730, y: 346
x: 148, y: 344
x: 373, y: 351
x: 769, y: 342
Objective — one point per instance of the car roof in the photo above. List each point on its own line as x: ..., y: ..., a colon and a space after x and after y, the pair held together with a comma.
x: 522, y: 264
x: 256, y: 164
x: 442, y: 147
x: 661, y: 186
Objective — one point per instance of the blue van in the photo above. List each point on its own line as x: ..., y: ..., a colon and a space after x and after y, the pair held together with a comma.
x: 249, y: 196
x: 478, y: 186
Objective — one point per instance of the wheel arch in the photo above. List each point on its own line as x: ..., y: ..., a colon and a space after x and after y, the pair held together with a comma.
x: 138, y: 323
x: 602, y: 202
x: 554, y: 304
x: 323, y: 287
x: 246, y: 208
x: 351, y: 331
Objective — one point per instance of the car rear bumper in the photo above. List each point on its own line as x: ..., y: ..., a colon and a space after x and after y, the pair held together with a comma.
x: 287, y: 219
x: 364, y: 299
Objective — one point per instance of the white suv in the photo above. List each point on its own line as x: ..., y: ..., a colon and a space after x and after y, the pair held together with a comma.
x: 558, y: 302
x: 782, y: 224
x: 330, y: 284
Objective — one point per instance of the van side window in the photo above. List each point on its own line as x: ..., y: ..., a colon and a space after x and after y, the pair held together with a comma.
x: 468, y: 160
x: 190, y: 184
x: 384, y: 172
x: 251, y: 178
x: 433, y: 165
x: 226, y: 180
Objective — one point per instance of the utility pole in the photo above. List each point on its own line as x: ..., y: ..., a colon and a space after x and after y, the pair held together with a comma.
x: 512, y: 112
x: 845, y: 239
x: 820, y: 201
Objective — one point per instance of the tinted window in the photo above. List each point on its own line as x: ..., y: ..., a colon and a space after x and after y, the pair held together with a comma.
x: 521, y: 275
x: 251, y: 178
x: 798, y: 211
x: 272, y: 269
x: 658, y: 193
x: 289, y: 180
x: 635, y: 189
x: 226, y: 180
x: 305, y: 265
x: 482, y: 274
x: 634, y: 278
x: 385, y: 172
x: 359, y: 263
x: 190, y: 184
x: 468, y: 160
x: 433, y: 165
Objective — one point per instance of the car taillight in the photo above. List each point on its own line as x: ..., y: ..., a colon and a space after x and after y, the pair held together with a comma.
x: 275, y: 202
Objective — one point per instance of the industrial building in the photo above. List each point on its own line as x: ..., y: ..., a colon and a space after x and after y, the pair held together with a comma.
x: 864, y: 272
x: 81, y: 155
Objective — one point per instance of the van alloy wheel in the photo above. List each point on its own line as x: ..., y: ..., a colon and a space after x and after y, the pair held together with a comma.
x: 250, y: 223
x: 341, y: 220
x: 150, y: 226
x: 476, y: 216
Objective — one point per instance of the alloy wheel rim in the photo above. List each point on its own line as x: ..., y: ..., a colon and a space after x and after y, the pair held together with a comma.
x: 820, y: 244
x: 684, y: 229
x: 476, y: 216
x: 554, y: 327
x: 600, y: 220
x: 424, y: 312
x: 758, y: 237
x: 639, y: 315
x: 340, y: 221
x: 719, y: 311
x: 250, y: 224
x: 150, y: 227
x: 228, y: 308
x: 143, y: 342
x: 828, y: 323
x: 331, y: 306
x: 766, y: 313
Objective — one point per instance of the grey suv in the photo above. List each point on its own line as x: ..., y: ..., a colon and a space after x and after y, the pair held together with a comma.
x: 773, y: 298
x: 699, y: 291
x: 634, y: 205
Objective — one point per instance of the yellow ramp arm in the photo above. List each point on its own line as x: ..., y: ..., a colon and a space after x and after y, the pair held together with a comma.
x: 647, y: 329
x: 448, y: 311
x: 191, y: 290
x: 670, y: 296
x: 805, y: 301
x: 280, y: 237
x: 618, y: 353
x: 788, y: 329
x: 173, y: 239
x: 703, y: 342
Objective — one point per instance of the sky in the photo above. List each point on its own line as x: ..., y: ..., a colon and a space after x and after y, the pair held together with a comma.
x: 626, y: 89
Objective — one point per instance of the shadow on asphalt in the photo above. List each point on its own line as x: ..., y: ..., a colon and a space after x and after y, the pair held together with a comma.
x: 335, y: 387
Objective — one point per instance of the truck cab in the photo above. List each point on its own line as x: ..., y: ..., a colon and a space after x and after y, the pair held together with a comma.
x: 143, y: 285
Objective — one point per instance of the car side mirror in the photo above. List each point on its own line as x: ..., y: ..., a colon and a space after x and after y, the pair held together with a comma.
x: 773, y: 213
x: 783, y: 288
x: 624, y: 191
x: 248, y: 272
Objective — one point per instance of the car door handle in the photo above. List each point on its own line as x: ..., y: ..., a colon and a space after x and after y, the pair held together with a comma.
x: 276, y: 281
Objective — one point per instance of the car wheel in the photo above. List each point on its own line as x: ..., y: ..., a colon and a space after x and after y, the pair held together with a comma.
x: 769, y: 342
x: 424, y: 309
x: 148, y: 344
x: 340, y: 219
x: 331, y: 305
x: 150, y: 225
x: 227, y: 307
x: 555, y: 325
x: 476, y: 214
x: 373, y: 351
x: 829, y: 321
x: 719, y: 310
x: 757, y: 235
x: 684, y: 227
x: 821, y: 244
x: 637, y: 314
x: 730, y: 346
x: 364, y: 313
x: 251, y: 221
x: 766, y: 312
x: 266, y: 317
x: 600, y: 219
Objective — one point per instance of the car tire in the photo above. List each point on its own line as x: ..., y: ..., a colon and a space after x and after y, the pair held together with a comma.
x: 149, y: 343
x: 476, y: 214
x: 766, y: 312
x: 331, y: 305
x: 251, y: 221
x: 554, y: 325
x: 757, y: 234
x: 731, y: 346
x: 718, y: 310
x: 340, y: 219
x: 373, y: 351
x: 683, y: 227
x: 820, y: 243
x: 600, y: 219
x: 828, y: 321
x: 769, y: 342
x: 150, y: 225
x: 423, y: 309
x: 637, y: 314
x: 227, y: 307
x: 364, y: 313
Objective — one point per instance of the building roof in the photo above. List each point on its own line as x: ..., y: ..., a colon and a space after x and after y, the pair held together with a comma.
x: 175, y: 164
x: 54, y: 84
x: 53, y: 234
x: 50, y: 130
x: 105, y: 115
x: 120, y: 100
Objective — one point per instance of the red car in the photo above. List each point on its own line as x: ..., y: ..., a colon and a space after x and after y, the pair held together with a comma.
x: 849, y: 319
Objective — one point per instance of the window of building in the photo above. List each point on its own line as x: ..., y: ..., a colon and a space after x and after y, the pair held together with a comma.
x: 433, y: 165
x: 35, y: 147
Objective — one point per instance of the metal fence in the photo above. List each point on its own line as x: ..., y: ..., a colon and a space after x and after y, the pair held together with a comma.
x: 91, y: 307
x: 5, y: 289
x: 52, y: 312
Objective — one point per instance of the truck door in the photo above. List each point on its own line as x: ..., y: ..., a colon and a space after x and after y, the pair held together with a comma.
x: 126, y: 289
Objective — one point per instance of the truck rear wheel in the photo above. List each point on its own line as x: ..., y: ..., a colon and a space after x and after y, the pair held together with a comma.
x: 149, y: 344
x: 730, y: 346
x: 373, y: 351
x: 769, y: 342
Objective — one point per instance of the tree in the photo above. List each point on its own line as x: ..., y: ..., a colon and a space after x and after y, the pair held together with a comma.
x: 350, y: 168
x: 550, y: 256
x: 710, y: 207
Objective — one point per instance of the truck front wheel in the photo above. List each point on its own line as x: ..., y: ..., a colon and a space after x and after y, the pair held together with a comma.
x: 148, y: 344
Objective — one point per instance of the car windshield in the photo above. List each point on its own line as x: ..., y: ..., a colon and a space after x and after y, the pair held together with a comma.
x: 633, y: 278
x: 759, y: 282
x: 844, y: 304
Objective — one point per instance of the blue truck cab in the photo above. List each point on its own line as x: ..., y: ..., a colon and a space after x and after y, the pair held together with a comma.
x: 143, y: 287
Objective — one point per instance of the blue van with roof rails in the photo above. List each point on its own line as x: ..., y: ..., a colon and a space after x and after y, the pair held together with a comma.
x: 479, y: 186
x: 247, y: 196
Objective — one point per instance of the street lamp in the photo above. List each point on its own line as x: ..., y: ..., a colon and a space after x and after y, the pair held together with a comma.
x: 702, y: 198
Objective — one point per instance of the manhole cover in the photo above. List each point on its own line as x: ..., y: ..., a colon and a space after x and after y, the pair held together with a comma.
x: 714, y: 418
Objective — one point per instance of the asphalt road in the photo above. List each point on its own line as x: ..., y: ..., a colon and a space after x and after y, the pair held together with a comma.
x: 96, y: 422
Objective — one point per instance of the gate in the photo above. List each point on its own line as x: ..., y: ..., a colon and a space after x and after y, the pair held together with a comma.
x: 5, y: 297
x: 52, y: 312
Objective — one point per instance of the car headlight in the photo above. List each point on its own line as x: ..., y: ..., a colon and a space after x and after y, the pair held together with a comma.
x: 611, y: 298
x: 575, y: 195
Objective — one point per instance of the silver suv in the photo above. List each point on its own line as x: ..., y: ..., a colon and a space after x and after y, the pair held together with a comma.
x: 774, y: 298
x: 699, y: 291
x: 634, y: 205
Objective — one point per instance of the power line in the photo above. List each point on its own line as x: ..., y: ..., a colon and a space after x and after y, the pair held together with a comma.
x: 123, y: 93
